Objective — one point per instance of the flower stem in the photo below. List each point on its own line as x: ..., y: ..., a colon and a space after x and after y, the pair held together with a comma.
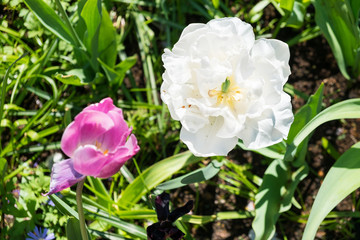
x: 79, y: 188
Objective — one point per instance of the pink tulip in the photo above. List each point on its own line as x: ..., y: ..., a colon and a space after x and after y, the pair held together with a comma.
x: 98, y: 143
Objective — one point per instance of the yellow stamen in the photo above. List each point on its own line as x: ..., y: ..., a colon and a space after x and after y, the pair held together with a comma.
x: 229, y: 93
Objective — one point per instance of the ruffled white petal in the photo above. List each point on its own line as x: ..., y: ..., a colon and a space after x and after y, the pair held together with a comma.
x: 205, y: 143
x: 255, y: 109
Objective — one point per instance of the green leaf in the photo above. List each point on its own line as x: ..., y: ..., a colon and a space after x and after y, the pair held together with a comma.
x: 339, y: 26
x: 73, y: 229
x: 13, y: 107
x: 100, y: 189
x: 107, y: 40
x: 270, y: 152
x: 154, y: 175
x: 341, y: 180
x: 257, y: 11
x: 3, y: 168
x: 116, y: 222
x: 100, y: 35
x: 198, y: 175
x: 342, y: 110
x: 50, y: 20
x: 330, y: 149
x: 297, y: 16
x: 355, y: 6
x: 63, y: 207
x: 302, y: 117
x: 107, y: 235
x: 216, y: 3
x: 267, y: 200
x: 74, y: 77
x: 91, y: 14
x: 275, y: 196
x: 287, y: 5
x: 116, y: 75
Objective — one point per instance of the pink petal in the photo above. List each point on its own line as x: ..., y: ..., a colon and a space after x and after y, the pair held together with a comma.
x: 104, y: 105
x: 118, y: 158
x: 63, y: 175
x: 118, y: 134
x: 92, y: 124
x: 70, y: 139
x: 88, y: 160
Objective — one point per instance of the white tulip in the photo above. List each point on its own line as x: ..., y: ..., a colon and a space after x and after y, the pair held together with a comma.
x: 222, y: 85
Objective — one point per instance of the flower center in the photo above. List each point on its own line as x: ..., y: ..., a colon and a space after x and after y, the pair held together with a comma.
x: 229, y: 93
x: 98, y: 146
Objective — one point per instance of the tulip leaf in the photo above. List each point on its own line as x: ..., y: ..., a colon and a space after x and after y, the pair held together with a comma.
x: 50, y: 20
x: 91, y: 14
x: 153, y: 176
x: 340, y: 28
x: 274, y: 151
x: 100, y: 191
x: 341, y: 180
x: 107, y: 40
x: 268, y: 198
x: 100, y: 35
x: 73, y: 229
x: 198, y: 175
x: 63, y: 207
x: 342, y: 110
x: 277, y: 194
x: 107, y: 235
x: 302, y: 117
x: 118, y: 223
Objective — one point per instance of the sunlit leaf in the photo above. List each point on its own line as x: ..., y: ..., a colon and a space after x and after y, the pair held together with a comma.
x: 74, y: 77
x: 154, y: 175
x: 339, y: 26
x: 63, y: 207
x: 198, y: 175
x: 287, y: 5
x: 342, y: 110
x: 341, y: 180
x: 50, y: 19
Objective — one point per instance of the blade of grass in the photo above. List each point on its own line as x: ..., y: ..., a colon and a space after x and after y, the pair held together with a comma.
x: 3, y: 92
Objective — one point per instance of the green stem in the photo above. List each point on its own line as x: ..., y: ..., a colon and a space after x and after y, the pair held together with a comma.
x: 79, y: 188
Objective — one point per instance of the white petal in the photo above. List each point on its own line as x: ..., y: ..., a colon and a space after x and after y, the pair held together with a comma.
x: 274, y: 52
x: 176, y: 66
x: 234, y: 27
x: 285, y: 116
x: 191, y: 29
x: 260, y: 132
x: 205, y: 143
